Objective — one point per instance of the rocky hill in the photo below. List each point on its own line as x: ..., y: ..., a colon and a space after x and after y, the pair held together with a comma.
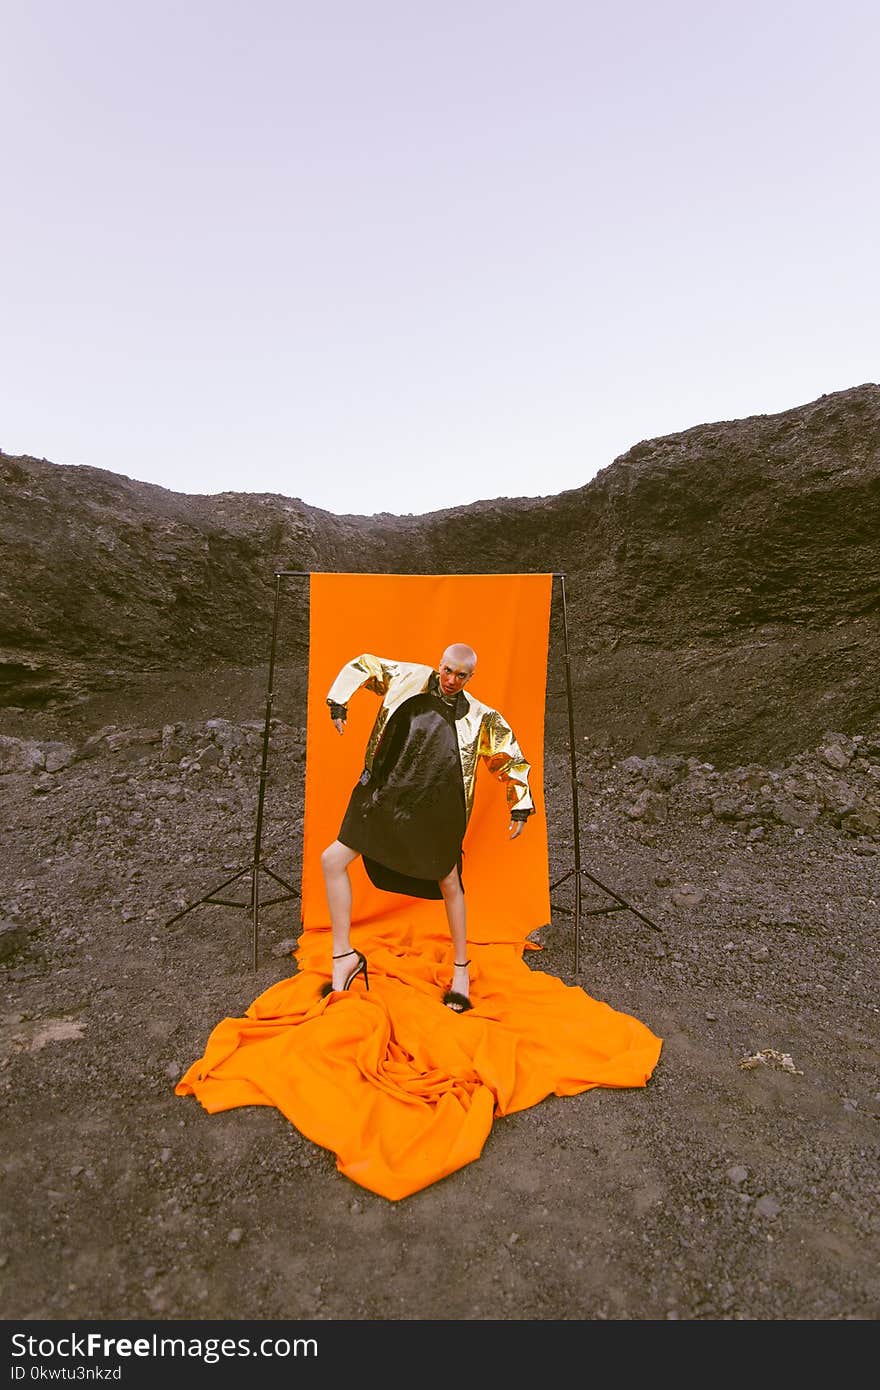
x: 722, y: 583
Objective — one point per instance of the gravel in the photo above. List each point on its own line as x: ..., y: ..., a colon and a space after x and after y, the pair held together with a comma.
x: 733, y: 910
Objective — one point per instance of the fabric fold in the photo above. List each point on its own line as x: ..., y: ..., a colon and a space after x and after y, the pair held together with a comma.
x: 402, y: 1090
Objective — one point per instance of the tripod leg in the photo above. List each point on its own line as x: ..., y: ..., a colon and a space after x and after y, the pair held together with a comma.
x: 208, y: 896
x: 617, y: 898
x: 255, y: 900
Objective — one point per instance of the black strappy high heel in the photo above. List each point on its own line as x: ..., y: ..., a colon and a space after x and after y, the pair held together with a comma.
x: 459, y: 1003
x: 360, y: 969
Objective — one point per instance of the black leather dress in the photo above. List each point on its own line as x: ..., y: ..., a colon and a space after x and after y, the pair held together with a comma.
x: 407, y: 816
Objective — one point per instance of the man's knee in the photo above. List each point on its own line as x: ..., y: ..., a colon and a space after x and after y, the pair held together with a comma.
x: 450, y: 886
x: 333, y: 857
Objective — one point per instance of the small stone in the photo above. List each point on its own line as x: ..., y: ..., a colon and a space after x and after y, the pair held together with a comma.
x: 687, y: 895
x: 768, y: 1206
x: 235, y: 1236
x: 835, y: 756
x: 285, y: 947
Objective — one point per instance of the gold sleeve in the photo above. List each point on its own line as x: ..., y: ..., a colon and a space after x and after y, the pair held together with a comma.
x: 504, y: 759
x: 372, y: 672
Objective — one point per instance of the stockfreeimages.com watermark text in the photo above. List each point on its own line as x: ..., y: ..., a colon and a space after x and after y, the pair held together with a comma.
x: 94, y: 1346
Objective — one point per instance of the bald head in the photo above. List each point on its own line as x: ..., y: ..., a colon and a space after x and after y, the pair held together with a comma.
x: 461, y: 655
x: 456, y: 667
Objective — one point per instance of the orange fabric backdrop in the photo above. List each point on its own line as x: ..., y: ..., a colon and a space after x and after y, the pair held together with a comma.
x: 505, y: 618
x: 400, y: 1088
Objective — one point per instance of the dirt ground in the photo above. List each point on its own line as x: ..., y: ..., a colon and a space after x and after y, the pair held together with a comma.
x: 740, y: 1184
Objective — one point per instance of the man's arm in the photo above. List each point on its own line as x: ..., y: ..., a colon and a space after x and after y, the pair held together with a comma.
x: 504, y: 758
x: 372, y: 672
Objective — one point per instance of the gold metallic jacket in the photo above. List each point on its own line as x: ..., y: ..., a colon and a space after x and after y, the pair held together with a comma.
x: 482, y: 732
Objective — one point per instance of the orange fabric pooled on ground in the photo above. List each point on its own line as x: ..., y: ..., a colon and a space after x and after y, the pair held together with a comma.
x: 403, y: 1090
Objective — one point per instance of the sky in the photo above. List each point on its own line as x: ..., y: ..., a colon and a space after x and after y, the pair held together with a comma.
x: 396, y: 257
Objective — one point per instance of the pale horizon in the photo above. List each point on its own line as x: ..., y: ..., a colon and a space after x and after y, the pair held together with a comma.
x: 386, y: 259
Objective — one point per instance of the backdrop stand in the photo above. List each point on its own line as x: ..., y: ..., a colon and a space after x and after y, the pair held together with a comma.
x: 618, y: 904
x: 258, y: 865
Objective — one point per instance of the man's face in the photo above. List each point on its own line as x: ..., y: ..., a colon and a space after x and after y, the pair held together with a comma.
x: 453, y: 676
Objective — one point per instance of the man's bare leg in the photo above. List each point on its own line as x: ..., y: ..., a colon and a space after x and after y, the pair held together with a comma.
x: 456, y: 916
x: 334, y: 866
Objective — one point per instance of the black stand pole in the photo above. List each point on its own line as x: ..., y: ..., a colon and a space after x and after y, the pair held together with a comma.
x: 575, y: 808
x: 253, y: 903
x: 619, y: 904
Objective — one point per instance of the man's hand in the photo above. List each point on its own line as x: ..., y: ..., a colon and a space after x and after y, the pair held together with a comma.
x: 516, y: 827
x: 339, y: 725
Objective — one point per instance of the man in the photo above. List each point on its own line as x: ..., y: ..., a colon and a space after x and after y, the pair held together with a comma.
x: 408, y: 812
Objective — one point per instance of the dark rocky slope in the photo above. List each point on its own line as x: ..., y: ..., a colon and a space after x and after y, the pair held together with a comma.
x: 722, y: 583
